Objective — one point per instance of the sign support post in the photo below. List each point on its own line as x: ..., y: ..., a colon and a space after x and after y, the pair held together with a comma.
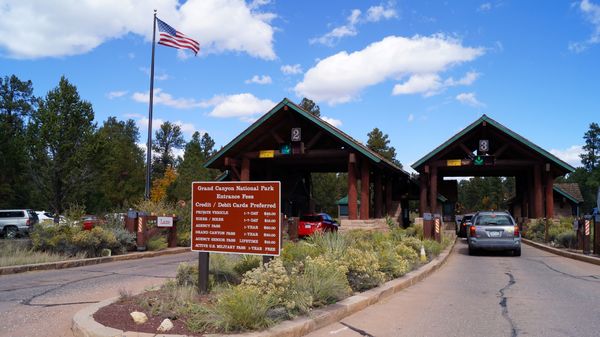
x: 203, y: 262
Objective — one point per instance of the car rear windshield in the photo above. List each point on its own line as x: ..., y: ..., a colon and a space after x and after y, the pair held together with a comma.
x: 310, y: 218
x: 494, y: 220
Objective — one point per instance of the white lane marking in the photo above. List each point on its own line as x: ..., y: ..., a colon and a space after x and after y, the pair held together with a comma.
x: 333, y: 332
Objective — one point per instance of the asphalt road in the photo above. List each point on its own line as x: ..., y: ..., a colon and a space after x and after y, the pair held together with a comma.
x: 537, y: 294
x: 43, y: 303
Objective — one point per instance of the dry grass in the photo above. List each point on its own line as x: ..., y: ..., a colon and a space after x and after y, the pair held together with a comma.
x: 16, y: 253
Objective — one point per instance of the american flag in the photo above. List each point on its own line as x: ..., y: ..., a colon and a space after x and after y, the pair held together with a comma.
x: 171, y: 38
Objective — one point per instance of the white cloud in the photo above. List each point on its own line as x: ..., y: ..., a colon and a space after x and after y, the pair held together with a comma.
x: 377, y: 13
x: 263, y: 79
x: 411, y: 117
x: 244, y: 106
x: 469, y: 98
x: 116, y: 94
x: 335, y: 122
x: 166, y: 99
x: 131, y: 55
x: 187, y: 128
x: 35, y: 28
x: 591, y: 13
x: 428, y: 84
x: 341, y: 77
x: 570, y: 155
x: 485, y: 7
x: 374, y: 14
x: 431, y: 84
x: 289, y: 69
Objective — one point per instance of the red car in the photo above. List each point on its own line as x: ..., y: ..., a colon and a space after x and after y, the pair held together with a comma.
x: 311, y: 223
x: 89, y: 222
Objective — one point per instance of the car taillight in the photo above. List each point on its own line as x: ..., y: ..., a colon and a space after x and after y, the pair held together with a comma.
x: 516, y: 230
x: 472, y: 232
x: 28, y: 222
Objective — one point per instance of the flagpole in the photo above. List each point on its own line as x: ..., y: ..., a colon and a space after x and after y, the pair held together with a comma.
x: 149, y: 144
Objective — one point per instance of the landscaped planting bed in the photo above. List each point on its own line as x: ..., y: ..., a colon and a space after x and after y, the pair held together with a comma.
x: 246, y: 295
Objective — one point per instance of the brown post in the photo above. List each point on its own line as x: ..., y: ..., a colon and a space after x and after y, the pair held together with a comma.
x: 388, y: 196
x: 352, y: 193
x: 245, y: 174
x: 538, y: 211
x: 549, y: 196
x: 172, y: 240
x: 596, y: 234
x: 378, y: 196
x: 422, y: 194
x: 405, y: 213
x: 141, y: 232
x: 364, y: 190
x: 433, y: 191
x: 130, y: 221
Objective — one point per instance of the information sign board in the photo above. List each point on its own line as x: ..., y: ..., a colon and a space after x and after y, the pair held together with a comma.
x: 236, y: 217
x: 453, y: 162
x: 164, y: 221
x: 266, y: 154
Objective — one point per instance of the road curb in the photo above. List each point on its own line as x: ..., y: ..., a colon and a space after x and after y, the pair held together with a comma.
x: 87, y: 262
x: 84, y: 324
x: 562, y: 252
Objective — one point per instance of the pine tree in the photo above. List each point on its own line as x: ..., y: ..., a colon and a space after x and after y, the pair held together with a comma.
x: 61, y: 137
x: 380, y: 143
x: 16, y: 103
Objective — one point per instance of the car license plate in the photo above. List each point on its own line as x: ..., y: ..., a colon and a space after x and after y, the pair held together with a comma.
x: 495, y: 234
x: 307, y: 226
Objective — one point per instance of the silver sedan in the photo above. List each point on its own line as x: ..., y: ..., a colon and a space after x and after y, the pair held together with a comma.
x: 494, y: 231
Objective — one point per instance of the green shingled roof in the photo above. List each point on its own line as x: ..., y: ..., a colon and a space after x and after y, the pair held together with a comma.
x: 351, y: 142
x: 502, y: 128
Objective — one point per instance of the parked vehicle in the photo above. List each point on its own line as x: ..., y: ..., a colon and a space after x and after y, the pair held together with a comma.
x: 312, y: 223
x: 494, y: 231
x: 89, y: 221
x: 44, y: 217
x: 463, y: 226
x: 16, y: 222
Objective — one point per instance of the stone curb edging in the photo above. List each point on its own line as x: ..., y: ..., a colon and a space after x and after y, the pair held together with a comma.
x: 562, y: 252
x: 84, y: 324
x: 87, y: 262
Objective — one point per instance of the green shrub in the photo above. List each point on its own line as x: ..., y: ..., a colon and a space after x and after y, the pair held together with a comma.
x: 221, y: 267
x: 157, y: 242
x: 246, y: 263
x: 432, y: 248
x: 187, y: 275
x: 293, y: 253
x: 324, y: 280
x: 363, y: 269
x: 54, y: 239
x: 418, y: 231
x: 567, y: 239
x: 330, y: 244
x: 125, y: 241
x: 242, y: 308
x: 273, y: 279
x: 535, y: 230
x: 407, y: 253
x: 391, y: 263
x: 414, y: 243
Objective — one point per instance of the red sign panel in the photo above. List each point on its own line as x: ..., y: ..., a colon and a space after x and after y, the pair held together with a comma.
x: 236, y: 217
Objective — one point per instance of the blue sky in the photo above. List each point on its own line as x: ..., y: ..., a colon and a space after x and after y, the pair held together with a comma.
x: 418, y: 70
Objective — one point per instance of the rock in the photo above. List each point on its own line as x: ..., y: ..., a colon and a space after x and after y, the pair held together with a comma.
x: 166, y: 325
x: 139, y: 317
